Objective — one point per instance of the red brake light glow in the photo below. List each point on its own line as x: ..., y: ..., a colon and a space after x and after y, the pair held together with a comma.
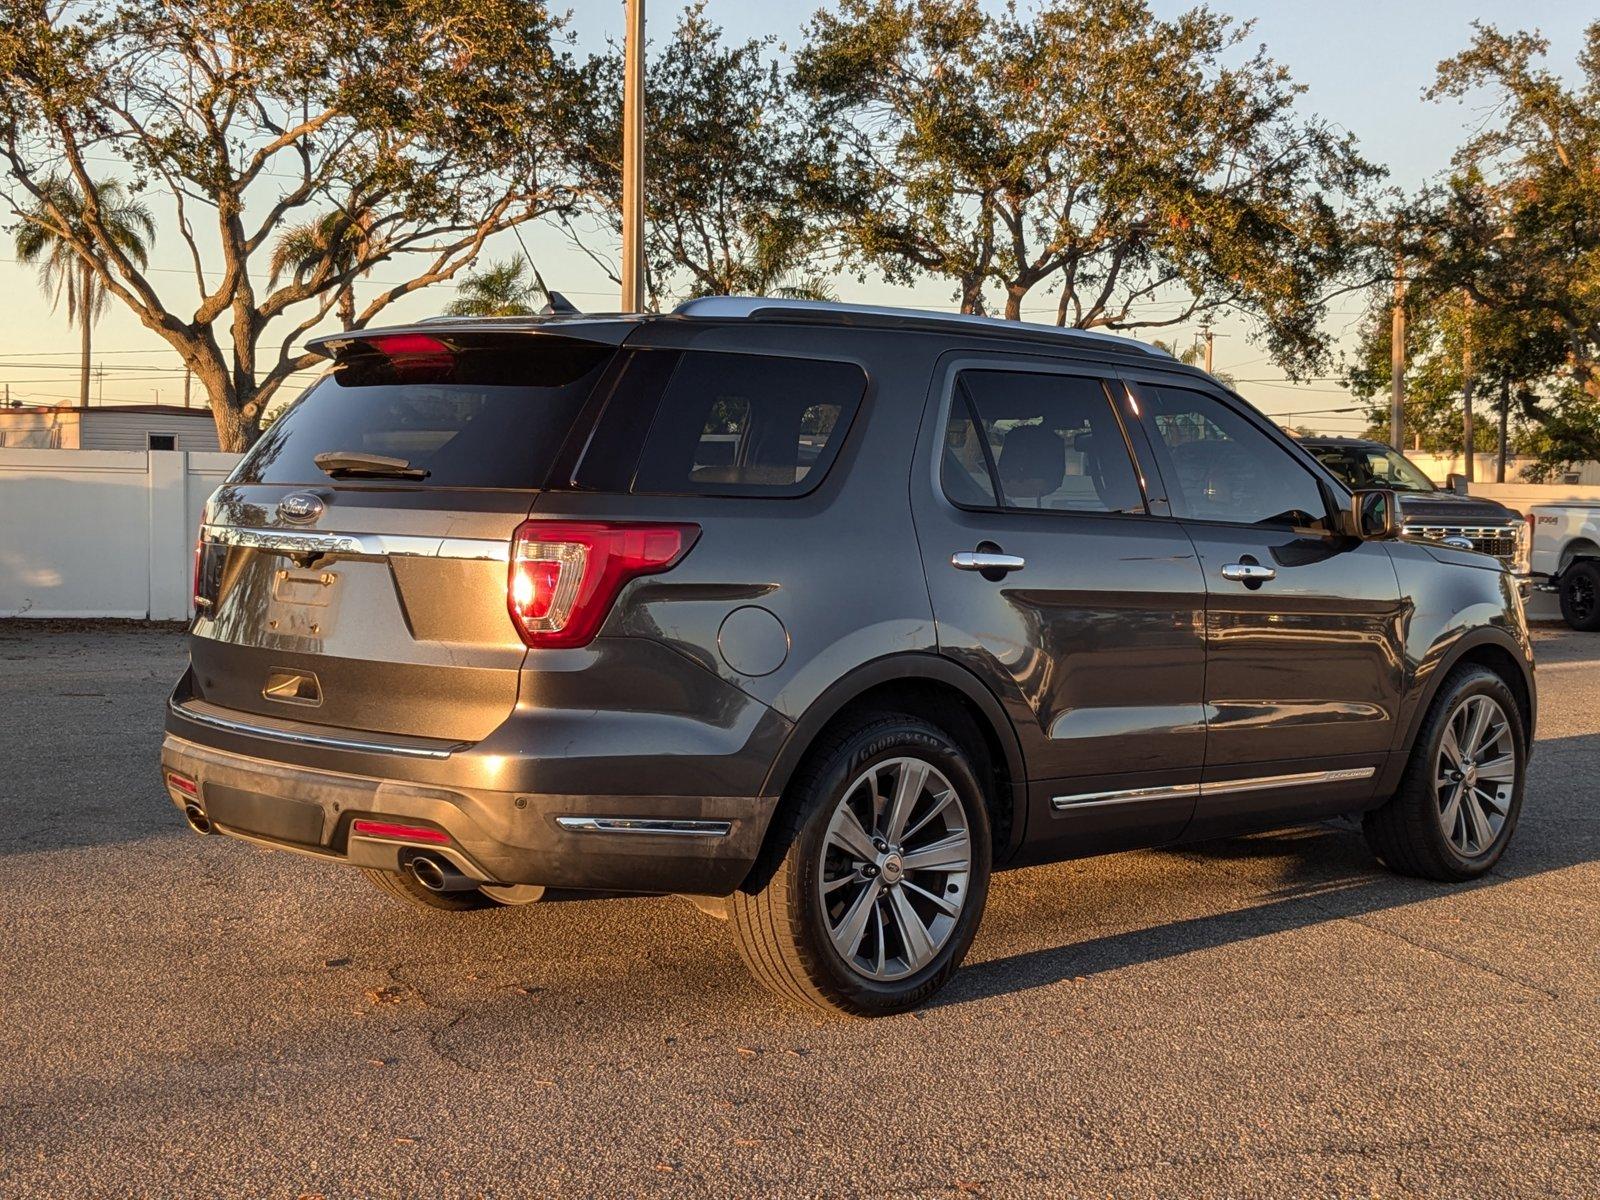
x: 182, y: 783
x: 565, y: 575
x: 400, y: 833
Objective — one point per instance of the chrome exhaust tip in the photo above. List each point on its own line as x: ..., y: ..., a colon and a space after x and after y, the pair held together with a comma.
x: 437, y: 875
x: 196, y: 816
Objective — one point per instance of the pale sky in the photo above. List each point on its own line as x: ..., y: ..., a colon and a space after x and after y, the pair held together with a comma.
x: 1365, y: 63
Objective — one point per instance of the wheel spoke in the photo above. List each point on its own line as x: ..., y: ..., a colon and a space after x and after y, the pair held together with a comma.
x: 944, y: 801
x: 1449, y: 748
x: 1479, y: 711
x: 949, y: 908
x: 947, y: 854
x: 847, y: 833
x: 913, y: 933
x: 1499, y: 770
x: 1489, y: 800
x: 847, y: 933
x: 908, y: 787
x: 833, y: 885
x: 1477, y: 822
x: 1451, y: 812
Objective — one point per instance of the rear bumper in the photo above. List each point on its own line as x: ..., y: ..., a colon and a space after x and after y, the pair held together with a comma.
x: 259, y: 785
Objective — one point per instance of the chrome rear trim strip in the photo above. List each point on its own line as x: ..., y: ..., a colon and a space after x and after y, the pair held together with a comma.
x: 305, y: 739
x: 362, y: 545
x: 649, y: 825
x: 1179, y: 791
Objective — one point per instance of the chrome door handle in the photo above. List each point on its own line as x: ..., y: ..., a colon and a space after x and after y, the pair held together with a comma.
x: 983, y: 560
x: 1248, y: 573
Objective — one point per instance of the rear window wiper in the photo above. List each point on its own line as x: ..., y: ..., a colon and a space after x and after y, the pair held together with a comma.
x: 352, y: 462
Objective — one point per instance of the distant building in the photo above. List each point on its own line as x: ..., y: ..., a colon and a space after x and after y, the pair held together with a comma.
x: 112, y: 427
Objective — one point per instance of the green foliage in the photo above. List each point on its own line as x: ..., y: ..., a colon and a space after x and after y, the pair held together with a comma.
x: 403, y: 132
x: 1139, y: 168
x: 728, y: 154
x: 499, y: 290
x: 52, y: 228
x: 1506, y: 256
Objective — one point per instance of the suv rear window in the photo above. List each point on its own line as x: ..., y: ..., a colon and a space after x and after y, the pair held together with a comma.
x: 747, y: 425
x: 489, y: 419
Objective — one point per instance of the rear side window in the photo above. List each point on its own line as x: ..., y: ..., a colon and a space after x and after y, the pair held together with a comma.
x: 488, y: 418
x: 1028, y: 441
x: 747, y: 425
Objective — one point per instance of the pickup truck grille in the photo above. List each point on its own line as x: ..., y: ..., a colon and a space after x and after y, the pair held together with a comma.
x: 1498, y: 540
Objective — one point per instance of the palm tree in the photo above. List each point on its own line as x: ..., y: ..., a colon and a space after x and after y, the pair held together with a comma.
x: 63, y: 269
x: 335, y: 241
x: 498, y: 291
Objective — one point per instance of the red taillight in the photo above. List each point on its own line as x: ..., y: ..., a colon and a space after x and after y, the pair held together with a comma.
x: 565, y: 574
x: 400, y: 833
x: 182, y: 783
x: 414, y: 356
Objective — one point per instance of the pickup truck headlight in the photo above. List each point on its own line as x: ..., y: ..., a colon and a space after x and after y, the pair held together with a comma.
x: 1521, y: 558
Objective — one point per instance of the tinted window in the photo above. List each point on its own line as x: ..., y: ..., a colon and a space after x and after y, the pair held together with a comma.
x: 1372, y: 467
x: 747, y: 425
x: 490, y: 419
x: 1220, y: 467
x: 1028, y: 441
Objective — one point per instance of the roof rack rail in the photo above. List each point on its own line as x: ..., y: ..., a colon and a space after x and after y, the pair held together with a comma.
x: 765, y: 308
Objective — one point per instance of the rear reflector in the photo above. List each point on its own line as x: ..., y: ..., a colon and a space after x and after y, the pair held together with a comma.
x: 182, y: 783
x: 565, y: 575
x: 400, y: 833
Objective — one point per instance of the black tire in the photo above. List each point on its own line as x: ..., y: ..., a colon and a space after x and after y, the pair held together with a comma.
x: 1407, y: 833
x: 1580, y: 595
x: 401, y: 886
x: 783, y: 931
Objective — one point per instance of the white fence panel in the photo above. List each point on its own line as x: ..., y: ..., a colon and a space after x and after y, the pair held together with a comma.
x: 101, y: 533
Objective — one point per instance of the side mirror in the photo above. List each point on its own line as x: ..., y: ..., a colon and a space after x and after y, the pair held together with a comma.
x: 1375, y: 515
x: 1456, y: 483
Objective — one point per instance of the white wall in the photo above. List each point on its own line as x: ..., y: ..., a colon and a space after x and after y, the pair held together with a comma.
x: 117, y: 429
x: 101, y: 533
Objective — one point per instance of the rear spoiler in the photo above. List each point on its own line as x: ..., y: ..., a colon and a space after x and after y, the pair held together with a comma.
x: 452, y: 335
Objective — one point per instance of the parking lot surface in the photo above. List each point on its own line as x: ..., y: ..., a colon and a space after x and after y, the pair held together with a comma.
x: 1266, y: 1016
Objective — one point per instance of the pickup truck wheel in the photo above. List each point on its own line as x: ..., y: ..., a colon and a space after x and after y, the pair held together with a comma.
x: 401, y: 886
x: 1580, y: 595
x: 881, y: 888
x: 1462, y: 791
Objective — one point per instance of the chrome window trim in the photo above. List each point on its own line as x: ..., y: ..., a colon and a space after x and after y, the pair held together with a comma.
x: 646, y: 825
x: 362, y: 545
x: 305, y: 739
x: 1179, y: 791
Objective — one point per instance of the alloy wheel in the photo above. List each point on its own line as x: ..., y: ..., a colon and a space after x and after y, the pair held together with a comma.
x: 895, y: 868
x: 1476, y: 775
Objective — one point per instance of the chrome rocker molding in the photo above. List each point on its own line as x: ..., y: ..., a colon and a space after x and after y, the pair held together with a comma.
x: 648, y: 825
x: 305, y: 739
x: 360, y: 545
x: 1182, y: 791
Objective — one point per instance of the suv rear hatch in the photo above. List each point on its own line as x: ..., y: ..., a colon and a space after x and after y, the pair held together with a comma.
x: 353, y: 571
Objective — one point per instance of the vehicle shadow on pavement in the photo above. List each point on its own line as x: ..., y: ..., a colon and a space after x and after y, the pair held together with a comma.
x: 1311, y: 875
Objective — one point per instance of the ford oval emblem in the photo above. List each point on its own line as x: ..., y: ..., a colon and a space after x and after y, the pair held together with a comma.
x: 301, y: 508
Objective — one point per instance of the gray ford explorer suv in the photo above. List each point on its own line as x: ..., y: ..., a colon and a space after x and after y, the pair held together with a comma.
x: 818, y: 615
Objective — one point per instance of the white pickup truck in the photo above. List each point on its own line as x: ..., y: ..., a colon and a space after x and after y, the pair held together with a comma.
x: 1565, y: 558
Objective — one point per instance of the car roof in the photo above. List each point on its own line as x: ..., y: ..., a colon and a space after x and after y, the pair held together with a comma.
x: 615, y: 327
x: 1342, y: 441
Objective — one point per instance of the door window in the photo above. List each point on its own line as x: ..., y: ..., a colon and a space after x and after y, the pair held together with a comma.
x: 1219, y: 467
x: 1030, y: 441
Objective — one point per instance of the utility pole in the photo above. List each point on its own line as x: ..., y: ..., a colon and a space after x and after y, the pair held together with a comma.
x: 188, y: 379
x: 1397, y: 361
x: 633, y: 160
x: 1505, y: 421
x: 1468, y: 385
x: 1211, y: 344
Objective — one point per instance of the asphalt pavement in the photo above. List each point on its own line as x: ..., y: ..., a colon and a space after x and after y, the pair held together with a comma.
x: 1266, y: 1016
